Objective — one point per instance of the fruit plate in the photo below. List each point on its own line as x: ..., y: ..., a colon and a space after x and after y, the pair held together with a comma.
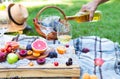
x: 23, y: 41
x: 31, y: 57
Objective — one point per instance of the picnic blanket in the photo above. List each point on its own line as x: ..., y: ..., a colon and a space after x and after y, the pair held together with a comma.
x: 98, y: 48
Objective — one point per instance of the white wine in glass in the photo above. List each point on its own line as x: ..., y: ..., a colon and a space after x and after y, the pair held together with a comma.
x: 64, y: 34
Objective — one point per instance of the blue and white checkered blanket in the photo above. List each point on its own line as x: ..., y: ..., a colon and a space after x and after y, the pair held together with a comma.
x: 98, y: 48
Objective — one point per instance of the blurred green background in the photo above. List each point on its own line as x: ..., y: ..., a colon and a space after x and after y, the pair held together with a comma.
x: 107, y: 27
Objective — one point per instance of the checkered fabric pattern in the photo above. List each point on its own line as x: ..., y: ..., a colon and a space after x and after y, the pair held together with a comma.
x: 98, y: 48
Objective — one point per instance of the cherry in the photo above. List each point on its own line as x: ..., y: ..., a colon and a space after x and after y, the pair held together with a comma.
x: 67, y: 45
x: 56, y: 63
x: 85, y: 50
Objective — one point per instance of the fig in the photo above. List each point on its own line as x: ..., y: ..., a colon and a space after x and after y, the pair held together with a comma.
x: 41, y: 60
x: 23, y: 53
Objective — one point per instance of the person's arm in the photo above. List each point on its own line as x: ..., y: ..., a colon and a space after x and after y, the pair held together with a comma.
x: 91, y: 7
x: 100, y: 1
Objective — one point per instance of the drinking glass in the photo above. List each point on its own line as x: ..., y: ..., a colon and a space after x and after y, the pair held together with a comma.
x: 64, y: 33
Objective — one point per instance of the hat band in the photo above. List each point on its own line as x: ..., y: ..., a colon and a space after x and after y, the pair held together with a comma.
x: 10, y: 16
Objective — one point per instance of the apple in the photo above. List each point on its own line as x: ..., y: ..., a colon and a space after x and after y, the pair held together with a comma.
x: 12, y: 58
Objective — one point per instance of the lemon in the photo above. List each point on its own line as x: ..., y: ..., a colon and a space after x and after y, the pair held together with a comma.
x: 2, y: 7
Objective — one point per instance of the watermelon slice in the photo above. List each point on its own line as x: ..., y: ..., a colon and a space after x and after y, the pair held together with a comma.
x: 39, y: 46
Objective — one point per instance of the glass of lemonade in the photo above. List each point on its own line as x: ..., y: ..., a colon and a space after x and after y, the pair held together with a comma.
x: 64, y: 33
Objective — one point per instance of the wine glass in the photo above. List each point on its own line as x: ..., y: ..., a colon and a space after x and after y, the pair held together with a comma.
x: 64, y: 36
x: 64, y: 33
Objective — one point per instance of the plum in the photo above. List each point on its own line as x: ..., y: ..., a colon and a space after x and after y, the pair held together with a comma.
x: 2, y: 56
x: 52, y: 55
x: 29, y: 47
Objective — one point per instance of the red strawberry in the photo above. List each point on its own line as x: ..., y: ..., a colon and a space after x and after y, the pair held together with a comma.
x: 9, y: 49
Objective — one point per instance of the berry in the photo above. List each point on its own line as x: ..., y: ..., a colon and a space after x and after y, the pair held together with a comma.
x: 56, y: 63
x: 70, y: 59
x: 9, y: 49
x: 29, y: 47
x: 2, y: 50
x: 23, y: 53
x: 85, y: 50
x: 41, y: 60
x: 68, y: 63
x: 52, y: 55
x: 67, y: 45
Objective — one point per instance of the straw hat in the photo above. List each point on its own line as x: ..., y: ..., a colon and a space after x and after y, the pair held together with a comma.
x: 17, y: 14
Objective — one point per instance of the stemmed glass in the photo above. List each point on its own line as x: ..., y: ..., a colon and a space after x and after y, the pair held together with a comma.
x: 64, y: 33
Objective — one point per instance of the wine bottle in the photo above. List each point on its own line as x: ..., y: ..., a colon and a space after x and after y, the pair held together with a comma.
x: 84, y: 17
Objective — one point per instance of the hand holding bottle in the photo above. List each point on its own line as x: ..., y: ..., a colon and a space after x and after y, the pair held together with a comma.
x: 91, y: 7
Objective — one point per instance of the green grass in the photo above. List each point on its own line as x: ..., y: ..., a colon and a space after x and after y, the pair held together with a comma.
x: 107, y: 27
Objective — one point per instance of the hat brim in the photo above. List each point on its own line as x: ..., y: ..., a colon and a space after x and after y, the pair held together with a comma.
x: 12, y: 27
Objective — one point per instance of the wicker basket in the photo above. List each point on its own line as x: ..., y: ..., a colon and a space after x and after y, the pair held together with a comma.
x: 52, y: 35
